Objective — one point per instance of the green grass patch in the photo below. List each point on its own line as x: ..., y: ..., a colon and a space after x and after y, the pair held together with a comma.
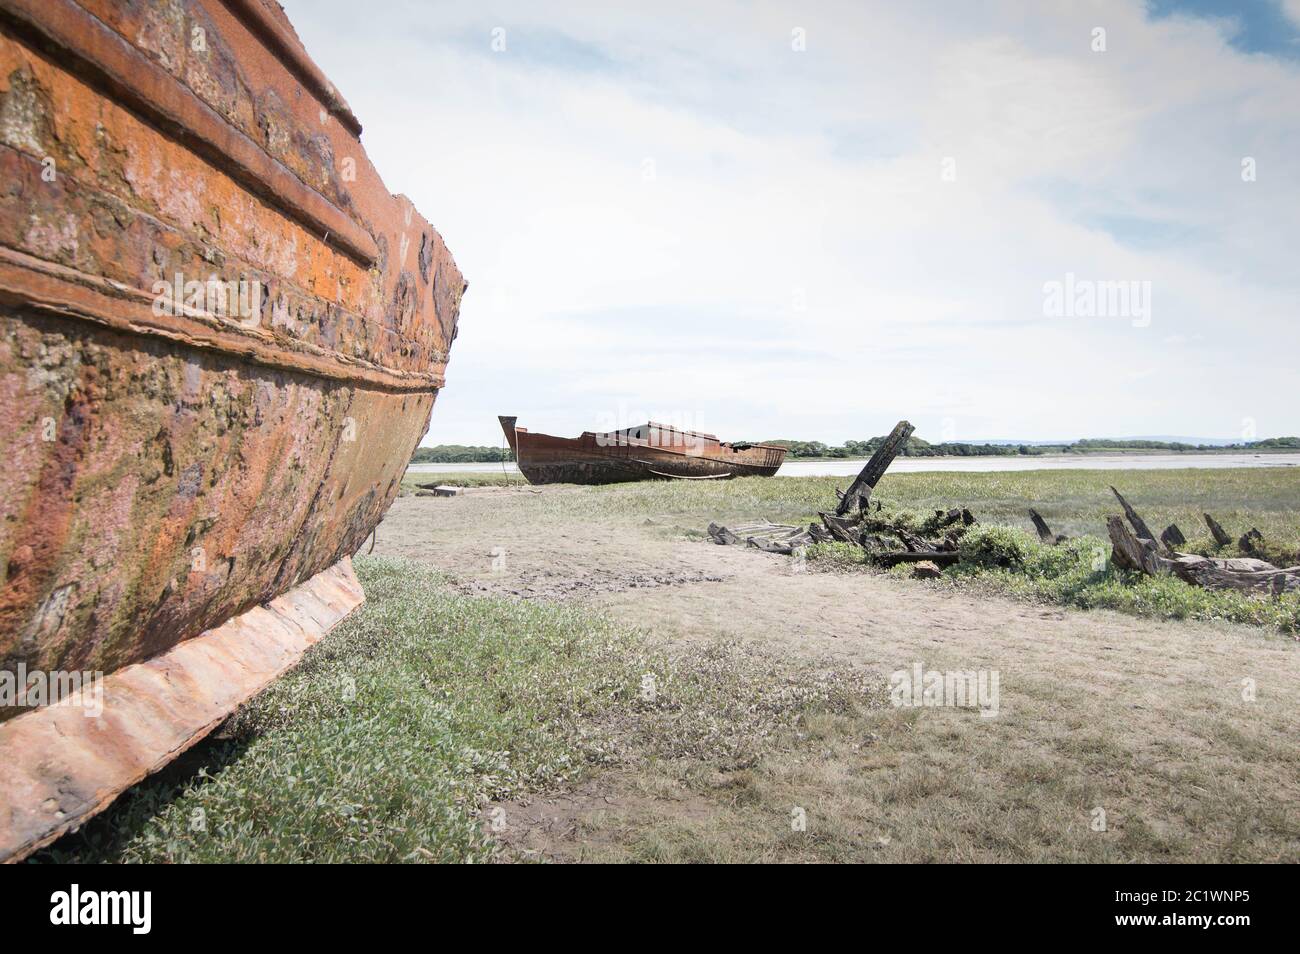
x: 425, y: 705
x: 418, y: 480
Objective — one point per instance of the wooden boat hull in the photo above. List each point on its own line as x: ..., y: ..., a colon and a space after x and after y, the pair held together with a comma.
x: 648, y: 452
x: 178, y: 453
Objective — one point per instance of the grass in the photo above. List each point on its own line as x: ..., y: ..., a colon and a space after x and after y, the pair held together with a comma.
x: 925, y: 786
x: 1073, y: 502
x: 393, y: 733
x: 1147, y: 723
x: 416, y: 480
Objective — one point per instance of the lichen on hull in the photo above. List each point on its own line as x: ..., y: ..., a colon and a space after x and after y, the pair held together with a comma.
x: 221, y: 338
x: 169, y: 467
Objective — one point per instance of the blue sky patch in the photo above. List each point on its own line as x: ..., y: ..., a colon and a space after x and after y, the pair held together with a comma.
x: 1260, y: 26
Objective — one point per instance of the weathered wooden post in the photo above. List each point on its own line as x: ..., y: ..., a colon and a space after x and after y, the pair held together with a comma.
x: 860, y: 490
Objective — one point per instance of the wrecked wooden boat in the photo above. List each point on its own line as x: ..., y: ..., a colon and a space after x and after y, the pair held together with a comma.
x: 221, y: 339
x: 647, y: 452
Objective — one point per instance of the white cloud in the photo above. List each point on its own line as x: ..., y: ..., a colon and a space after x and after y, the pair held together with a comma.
x: 784, y: 179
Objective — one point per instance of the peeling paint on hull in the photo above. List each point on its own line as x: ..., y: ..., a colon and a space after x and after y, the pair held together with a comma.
x: 173, y: 462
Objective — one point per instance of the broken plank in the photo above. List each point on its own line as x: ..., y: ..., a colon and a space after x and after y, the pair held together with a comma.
x: 819, y: 533
x: 770, y: 546
x: 840, y: 528
x: 1133, y: 553
x: 1220, y: 535
x: 1172, y: 537
x: 1044, y: 531
x: 1139, y: 525
x: 913, y: 543
x: 722, y: 536
x: 1215, y: 574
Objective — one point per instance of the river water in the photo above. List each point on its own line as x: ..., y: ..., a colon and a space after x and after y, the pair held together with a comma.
x: 904, y: 465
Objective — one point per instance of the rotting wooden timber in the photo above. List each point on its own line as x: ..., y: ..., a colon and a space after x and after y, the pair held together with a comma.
x: 1044, y: 532
x: 770, y: 537
x: 887, y: 542
x: 1139, y: 525
x: 1245, y: 574
x: 859, y: 491
x: 1220, y: 535
x: 223, y: 377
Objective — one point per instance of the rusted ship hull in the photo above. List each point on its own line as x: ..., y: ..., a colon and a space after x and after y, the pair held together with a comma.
x: 648, y: 452
x: 179, y: 454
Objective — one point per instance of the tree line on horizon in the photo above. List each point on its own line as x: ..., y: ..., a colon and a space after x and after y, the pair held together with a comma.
x: 919, y: 447
x: 916, y: 447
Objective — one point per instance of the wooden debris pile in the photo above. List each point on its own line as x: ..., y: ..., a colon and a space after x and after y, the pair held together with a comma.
x: 438, y: 490
x: 889, y: 540
x: 770, y: 537
x: 1138, y: 549
x: 936, y: 542
x: 892, y: 541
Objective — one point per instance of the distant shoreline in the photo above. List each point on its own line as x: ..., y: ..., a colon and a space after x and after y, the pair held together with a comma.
x: 846, y: 467
x: 1079, y: 452
x: 816, y: 451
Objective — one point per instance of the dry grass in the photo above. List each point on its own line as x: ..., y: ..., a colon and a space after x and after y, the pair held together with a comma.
x: 946, y: 786
x: 1144, y: 719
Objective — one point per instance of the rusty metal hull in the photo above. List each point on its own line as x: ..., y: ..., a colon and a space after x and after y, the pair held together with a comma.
x: 648, y: 452
x: 178, y: 452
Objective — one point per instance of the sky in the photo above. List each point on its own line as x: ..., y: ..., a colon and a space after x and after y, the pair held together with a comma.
x: 809, y: 220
